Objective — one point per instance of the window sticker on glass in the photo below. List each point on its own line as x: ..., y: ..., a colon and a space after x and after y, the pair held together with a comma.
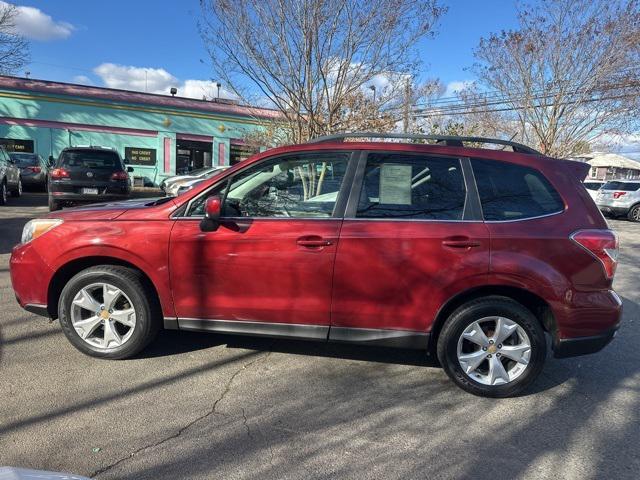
x: 395, y: 184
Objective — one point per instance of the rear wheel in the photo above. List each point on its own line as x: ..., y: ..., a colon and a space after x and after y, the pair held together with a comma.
x: 16, y: 192
x: 634, y: 213
x: 108, y: 312
x: 53, y: 205
x: 492, y: 347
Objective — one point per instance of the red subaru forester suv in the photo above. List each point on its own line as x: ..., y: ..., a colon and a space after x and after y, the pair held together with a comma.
x: 473, y: 254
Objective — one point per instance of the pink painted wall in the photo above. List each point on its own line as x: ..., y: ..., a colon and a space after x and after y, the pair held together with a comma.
x: 221, y: 154
x: 167, y: 154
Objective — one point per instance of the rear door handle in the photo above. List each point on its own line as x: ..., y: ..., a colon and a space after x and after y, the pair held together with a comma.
x: 460, y: 242
x: 313, y: 241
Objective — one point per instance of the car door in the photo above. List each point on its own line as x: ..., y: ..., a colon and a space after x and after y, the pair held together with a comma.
x: 412, y: 237
x: 271, y: 259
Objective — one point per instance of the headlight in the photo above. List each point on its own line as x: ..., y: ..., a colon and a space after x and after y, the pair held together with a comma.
x: 35, y: 228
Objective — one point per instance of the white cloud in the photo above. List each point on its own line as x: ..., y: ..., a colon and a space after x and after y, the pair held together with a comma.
x: 33, y: 23
x: 152, y: 80
x: 82, y: 80
x: 456, y: 86
x: 155, y: 80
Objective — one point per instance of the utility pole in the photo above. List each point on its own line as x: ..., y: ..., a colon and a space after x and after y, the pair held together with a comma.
x: 407, y: 104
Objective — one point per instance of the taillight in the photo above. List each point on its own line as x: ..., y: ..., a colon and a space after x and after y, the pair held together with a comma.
x: 602, y: 244
x: 58, y: 173
x: 120, y: 176
x: 35, y: 169
x: 618, y: 194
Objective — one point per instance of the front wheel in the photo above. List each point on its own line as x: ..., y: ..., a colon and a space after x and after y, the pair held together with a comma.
x: 634, y: 213
x: 108, y: 312
x: 492, y: 347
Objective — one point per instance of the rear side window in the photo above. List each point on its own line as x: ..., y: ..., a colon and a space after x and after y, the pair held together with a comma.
x: 90, y: 159
x: 625, y: 186
x: 412, y: 187
x: 514, y: 192
x: 592, y: 185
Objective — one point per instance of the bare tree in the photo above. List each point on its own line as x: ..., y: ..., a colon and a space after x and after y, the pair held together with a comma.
x: 14, y: 49
x: 567, y: 75
x: 310, y: 58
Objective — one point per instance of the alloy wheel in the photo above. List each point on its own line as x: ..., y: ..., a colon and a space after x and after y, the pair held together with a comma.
x: 103, y: 316
x: 494, y: 350
x: 635, y: 214
x: 19, y: 186
x: 3, y: 192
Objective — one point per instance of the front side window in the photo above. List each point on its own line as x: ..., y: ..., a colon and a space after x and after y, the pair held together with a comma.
x: 514, y: 192
x: 297, y: 186
x: 412, y: 187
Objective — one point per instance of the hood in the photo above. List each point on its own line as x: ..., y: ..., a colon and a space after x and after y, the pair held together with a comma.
x: 108, y: 210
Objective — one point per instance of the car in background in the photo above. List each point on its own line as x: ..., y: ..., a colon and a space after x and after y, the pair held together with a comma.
x: 593, y: 186
x: 88, y: 175
x: 166, y: 184
x: 473, y: 254
x: 10, y: 178
x: 33, y: 169
x: 620, y: 198
x: 181, y: 186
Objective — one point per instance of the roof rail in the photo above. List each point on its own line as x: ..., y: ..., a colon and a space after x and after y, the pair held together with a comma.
x: 449, y: 140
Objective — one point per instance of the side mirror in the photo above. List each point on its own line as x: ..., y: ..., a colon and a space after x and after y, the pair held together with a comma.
x: 212, y: 211
x: 51, y: 162
x: 129, y: 169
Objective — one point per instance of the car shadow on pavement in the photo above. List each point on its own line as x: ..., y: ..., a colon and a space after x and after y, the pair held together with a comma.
x: 352, y: 424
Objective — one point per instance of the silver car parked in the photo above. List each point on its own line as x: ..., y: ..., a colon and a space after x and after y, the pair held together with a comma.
x: 619, y: 198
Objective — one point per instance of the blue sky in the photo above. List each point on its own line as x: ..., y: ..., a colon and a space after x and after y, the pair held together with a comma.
x: 163, y: 35
x: 151, y: 45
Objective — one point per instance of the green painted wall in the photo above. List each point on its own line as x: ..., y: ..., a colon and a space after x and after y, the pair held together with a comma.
x: 166, y: 121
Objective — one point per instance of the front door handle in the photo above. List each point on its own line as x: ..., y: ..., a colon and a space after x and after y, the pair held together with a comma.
x: 313, y: 241
x: 460, y: 242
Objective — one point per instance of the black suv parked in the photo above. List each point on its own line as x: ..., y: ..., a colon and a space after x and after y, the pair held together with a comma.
x: 88, y: 175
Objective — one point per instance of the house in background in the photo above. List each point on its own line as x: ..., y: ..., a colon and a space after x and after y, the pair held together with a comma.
x: 608, y: 166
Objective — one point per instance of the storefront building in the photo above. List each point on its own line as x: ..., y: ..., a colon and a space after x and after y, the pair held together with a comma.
x: 160, y: 135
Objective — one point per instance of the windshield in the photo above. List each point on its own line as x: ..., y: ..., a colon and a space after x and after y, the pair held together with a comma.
x: 617, y: 185
x: 24, y: 159
x: 90, y: 159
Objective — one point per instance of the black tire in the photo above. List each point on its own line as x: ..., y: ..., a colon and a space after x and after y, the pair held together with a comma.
x: 53, y: 205
x: 634, y: 213
x: 470, y: 312
x: 3, y: 192
x: 16, y: 192
x: 142, y: 299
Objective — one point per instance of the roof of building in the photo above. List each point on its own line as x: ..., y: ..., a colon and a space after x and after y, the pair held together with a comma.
x: 612, y: 160
x: 128, y: 96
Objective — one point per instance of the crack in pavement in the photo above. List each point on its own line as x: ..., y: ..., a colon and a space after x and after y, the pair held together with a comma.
x: 180, y: 431
x: 244, y: 422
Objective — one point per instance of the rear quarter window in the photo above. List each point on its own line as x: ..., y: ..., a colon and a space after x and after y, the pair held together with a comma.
x: 514, y: 192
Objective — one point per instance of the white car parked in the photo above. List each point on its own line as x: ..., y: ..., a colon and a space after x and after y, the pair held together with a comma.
x: 180, y: 186
x: 593, y: 186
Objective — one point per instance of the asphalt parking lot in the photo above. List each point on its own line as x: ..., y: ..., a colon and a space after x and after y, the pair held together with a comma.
x: 208, y: 406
